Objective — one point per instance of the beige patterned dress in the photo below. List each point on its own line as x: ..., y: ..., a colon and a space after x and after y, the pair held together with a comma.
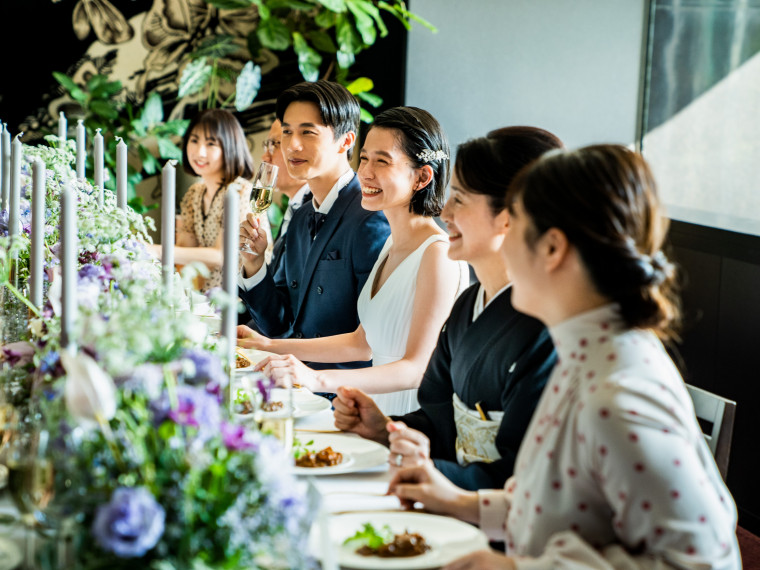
x: 207, y: 228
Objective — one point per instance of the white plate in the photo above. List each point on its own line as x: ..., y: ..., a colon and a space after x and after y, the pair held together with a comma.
x: 305, y: 403
x: 362, y: 454
x: 448, y: 538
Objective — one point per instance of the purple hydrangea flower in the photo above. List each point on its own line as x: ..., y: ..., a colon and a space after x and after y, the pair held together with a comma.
x: 196, y: 408
x: 130, y: 524
x: 208, y: 370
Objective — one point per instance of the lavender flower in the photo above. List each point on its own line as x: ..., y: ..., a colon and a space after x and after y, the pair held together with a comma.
x: 130, y: 524
x: 207, y: 368
x: 238, y: 438
x: 17, y: 353
x: 196, y: 409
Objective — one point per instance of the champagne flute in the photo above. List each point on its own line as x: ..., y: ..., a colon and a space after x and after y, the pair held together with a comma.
x: 30, y: 480
x: 262, y: 194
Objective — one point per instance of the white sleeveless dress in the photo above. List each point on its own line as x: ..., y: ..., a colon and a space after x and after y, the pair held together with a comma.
x: 387, y: 317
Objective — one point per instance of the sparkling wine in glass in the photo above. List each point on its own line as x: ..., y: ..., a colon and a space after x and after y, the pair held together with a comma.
x: 262, y: 193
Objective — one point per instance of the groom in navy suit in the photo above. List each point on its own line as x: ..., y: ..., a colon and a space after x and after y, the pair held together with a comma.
x: 332, y: 242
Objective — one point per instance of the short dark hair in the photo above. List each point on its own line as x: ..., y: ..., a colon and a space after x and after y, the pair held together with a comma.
x: 417, y: 130
x: 604, y: 199
x: 338, y: 109
x: 488, y: 164
x: 222, y: 125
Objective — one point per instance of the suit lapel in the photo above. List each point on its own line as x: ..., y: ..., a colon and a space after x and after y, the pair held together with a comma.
x: 329, y: 227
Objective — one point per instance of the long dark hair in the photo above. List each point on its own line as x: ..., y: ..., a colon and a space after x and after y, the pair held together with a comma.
x: 222, y: 125
x: 488, y: 164
x: 604, y: 199
x: 418, y: 131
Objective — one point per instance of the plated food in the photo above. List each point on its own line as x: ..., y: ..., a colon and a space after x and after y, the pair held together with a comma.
x: 446, y: 538
x: 326, y: 457
x: 369, y: 541
x: 241, y: 360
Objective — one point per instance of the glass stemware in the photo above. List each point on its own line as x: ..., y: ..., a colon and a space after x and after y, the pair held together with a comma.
x: 30, y: 480
x: 262, y: 194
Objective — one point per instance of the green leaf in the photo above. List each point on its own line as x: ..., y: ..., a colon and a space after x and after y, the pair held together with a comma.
x: 149, y: 162
x: 373, y: 11
x: 348, y: 40
x: 138, y: 127
x: 254, y: 44
x: 321, y: 41
x: 360, y: 85
x: 405, y: 15
x: 345, y: 59
x: 167, y: 149
x: 194, y: 77
x: 264, y: 12
x: 273, y: 34
x: 231, y: 4
x: 216, y: 47
x: 366, y: 116
x: 364, y: 22
x: 248, y: 83
x: 325, y: 19
x: 74, y: 90
x: 175, y: 127
x: 308, y: 59
x: 153, y: 111
x: 334, y: 5
x: 105, y: 109
x: 371, y: 98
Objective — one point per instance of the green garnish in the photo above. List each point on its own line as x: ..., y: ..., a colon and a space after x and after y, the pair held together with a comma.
x: 370, y: 536
x: 299, y: 448
x: 242, y: 396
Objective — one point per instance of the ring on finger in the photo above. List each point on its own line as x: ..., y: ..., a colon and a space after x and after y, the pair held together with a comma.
x: 399, y: 459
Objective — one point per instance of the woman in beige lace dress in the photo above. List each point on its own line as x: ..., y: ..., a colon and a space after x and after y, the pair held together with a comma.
x: 214, y: 148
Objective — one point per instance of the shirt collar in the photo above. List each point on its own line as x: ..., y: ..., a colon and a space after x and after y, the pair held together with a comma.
x: 592, y: 326
x: 298, y: 196
x: 480, y: 304
x: 332, y: 195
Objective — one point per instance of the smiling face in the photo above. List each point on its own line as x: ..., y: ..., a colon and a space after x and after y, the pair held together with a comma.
x: 387, y: 176
x: 309, y: 146
x: 475, y: 232
x: 205, y: 155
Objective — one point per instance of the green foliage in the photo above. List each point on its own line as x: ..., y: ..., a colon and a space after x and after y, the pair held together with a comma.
x: 141, y: 129
x: 326, y: 36
x: 370, y: 536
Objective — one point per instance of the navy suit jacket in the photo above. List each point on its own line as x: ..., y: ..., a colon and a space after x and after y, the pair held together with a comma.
x: 316, y: 285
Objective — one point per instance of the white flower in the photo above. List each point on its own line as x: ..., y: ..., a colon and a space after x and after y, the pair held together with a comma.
x: 36, y: 326
x: 90, y: 392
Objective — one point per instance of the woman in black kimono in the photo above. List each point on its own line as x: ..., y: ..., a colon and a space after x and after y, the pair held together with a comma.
x: 491, y: 362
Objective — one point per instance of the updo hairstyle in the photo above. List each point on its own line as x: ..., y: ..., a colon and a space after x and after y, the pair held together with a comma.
x: 418, y: 131
x: 604, y: 199
x: 487, y: 165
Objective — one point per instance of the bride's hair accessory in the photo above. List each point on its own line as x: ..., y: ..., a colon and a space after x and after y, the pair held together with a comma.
x: 428, y: 155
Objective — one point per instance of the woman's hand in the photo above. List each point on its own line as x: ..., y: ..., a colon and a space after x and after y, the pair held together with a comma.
x: 482, y: 560
x: 409, y: 447
x: 287, y: 368
x: 249, y: 338
x: 154, y: 249
x: 253, y: 234
x: 357, y: 413
x: 426, y: 485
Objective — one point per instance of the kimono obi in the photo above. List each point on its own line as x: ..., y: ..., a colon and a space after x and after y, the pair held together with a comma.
x: 476, y: 437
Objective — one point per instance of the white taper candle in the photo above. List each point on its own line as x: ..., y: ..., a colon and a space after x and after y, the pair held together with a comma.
x: 81, y: 152
x: 168, y: 192
x: 36, y: 269
x: 121, y: 174
x: 69, y: 260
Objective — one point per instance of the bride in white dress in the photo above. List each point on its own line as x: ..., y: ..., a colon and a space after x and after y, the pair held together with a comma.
x: 404, y: 169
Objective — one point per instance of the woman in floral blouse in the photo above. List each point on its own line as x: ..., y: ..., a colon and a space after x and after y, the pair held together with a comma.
x: 613, y: 471
x: 214, y: 149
